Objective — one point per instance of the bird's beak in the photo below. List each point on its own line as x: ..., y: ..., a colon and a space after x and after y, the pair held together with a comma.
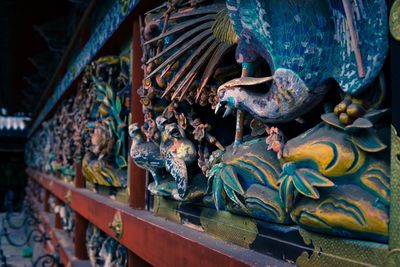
x: 246, y: 81
x: 228, y: 111
x: 218, y: 107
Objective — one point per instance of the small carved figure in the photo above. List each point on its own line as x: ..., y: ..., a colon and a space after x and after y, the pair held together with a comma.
x: 146, y: 155
x: 178, y: 153
x: 174, y: 153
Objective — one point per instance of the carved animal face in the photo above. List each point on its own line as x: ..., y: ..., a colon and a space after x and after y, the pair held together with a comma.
x: 232, y: 93
x: 134, y: 129
x: 100, y: 139
x: 172, y: 131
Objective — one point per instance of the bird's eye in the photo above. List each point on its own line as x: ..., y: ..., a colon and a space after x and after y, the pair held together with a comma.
x: 221, y: 93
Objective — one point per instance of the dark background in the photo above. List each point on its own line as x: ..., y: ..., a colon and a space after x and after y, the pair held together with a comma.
x: 33, y: 37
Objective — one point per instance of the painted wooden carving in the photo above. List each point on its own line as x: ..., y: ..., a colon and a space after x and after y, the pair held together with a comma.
x: 52, y: 149
x: 104, y: 250
x: 104, y: 163
x: 67, y: 218
x: 271, y: 62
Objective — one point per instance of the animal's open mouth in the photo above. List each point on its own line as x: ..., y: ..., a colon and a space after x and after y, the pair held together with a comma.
x: 228, y: 109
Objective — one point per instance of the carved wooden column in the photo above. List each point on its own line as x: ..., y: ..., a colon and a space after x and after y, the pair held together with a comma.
x: 80, y: 181
x: 81, y: 223
x: 46, y: 201
x: 57, y: 221
x: 137, y: 176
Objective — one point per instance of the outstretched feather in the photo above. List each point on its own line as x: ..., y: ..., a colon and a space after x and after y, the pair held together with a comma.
x: 181, y: 27
x: 195, y: 39
x: 223, y: 29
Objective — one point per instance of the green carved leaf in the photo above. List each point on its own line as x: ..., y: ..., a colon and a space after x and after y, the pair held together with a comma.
x: 332, y: 119
x: 217, y: 194
x: 103, y: 110
x: 121, y: 161
x: 118, y: 104
x: 100, y: 86
x: 230, y: 179
x: 109, y: 92
x: 214, y: 172
x: 376, y: 115
x: 117, y: 147
x: 360, y: 123
x: 232, y: 196
x: 286, y: 191
x: 368, y: 141
x: 306, y: 180
x: 100, y: 97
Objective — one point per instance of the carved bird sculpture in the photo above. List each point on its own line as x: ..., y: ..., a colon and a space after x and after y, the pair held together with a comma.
x: 305, y: 43
x: 175, y: 153
x: 146, y: 155
x: 178, y: 153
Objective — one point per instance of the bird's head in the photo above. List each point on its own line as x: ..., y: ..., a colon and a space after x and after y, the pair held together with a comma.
x: 230, y: 93
x: 172, y: 131
x: 161, y: 121
x: 134, y: 130
x: 227, y: 98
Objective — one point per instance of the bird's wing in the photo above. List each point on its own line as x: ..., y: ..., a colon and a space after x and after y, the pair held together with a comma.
x: 369, y: 18
x: 195, y: 42
x: 177, y: 168
x: 148, y: 154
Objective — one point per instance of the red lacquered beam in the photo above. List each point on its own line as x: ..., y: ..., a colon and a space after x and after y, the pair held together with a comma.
x: 156, y: 240
x: 160, y: 242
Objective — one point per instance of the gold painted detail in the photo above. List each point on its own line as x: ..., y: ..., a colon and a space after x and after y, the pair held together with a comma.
x: 333, y: 251
x: 167, y: 209
x: 68, y: 197
x: 224, y: 225
x: 394, y: 223
x: 116, y: 225
x: 394, y: 21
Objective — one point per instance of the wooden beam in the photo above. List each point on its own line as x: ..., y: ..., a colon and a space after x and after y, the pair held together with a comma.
x: 156, y: 240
